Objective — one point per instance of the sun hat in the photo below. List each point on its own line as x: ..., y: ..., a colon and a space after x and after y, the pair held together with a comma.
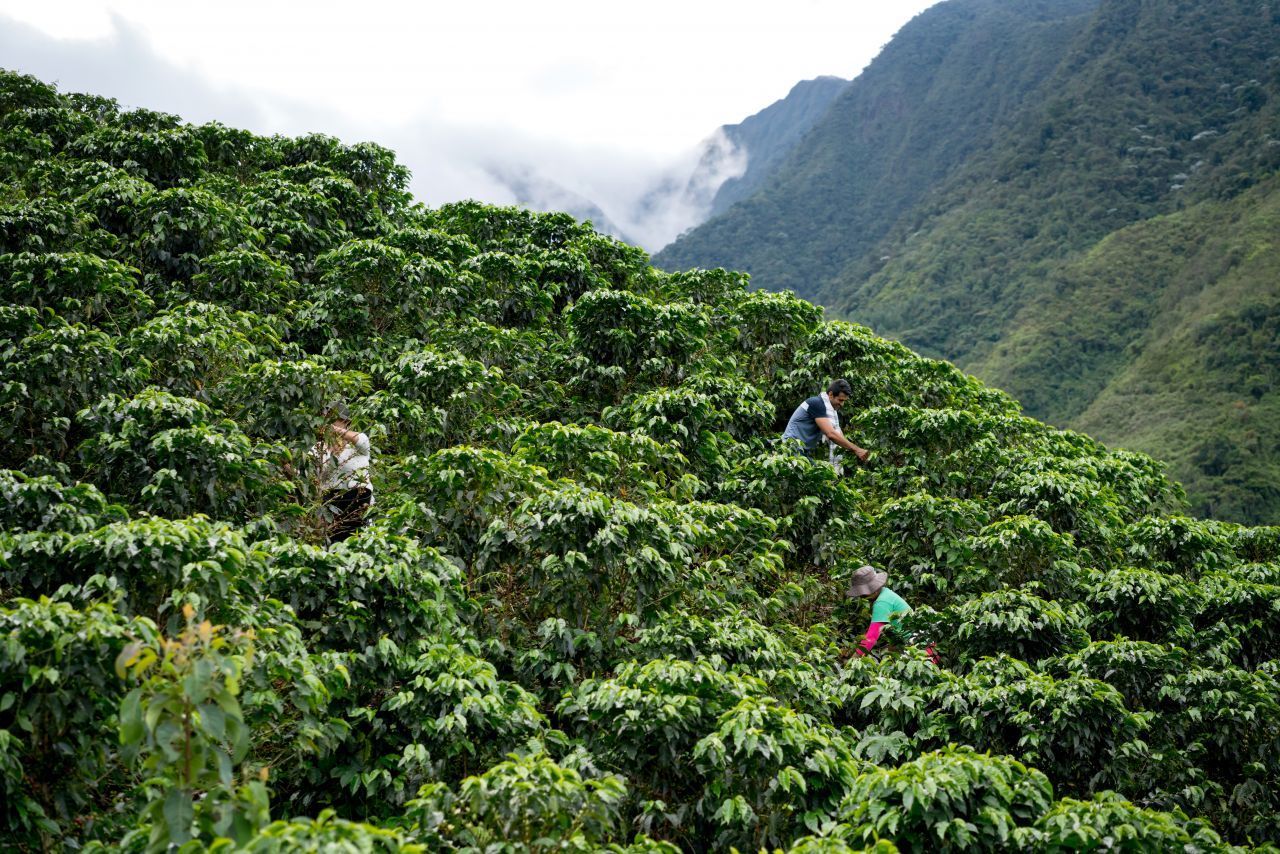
x: 866, y: 581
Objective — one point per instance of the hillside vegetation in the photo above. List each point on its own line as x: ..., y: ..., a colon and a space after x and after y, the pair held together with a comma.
x: 596, y: 606
x: 1171, y: 330
x: 1061, y: 254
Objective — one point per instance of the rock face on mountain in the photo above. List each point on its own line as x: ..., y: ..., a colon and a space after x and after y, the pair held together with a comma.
x: 1059, y: 198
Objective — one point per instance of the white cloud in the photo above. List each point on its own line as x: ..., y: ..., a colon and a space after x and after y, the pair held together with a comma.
x: 448, y: 162
x: 652, y: 78
x: 123, y: 65
x: 598, y: 101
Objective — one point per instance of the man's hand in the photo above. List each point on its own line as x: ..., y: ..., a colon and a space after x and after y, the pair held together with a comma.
x: 834, y: 435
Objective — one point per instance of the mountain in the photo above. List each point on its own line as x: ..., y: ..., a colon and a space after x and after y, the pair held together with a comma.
x: 596, y: 606
x: 936, y: 94
x: 1013, y: 246
x: 1168, y: 331
x: 769, y: 136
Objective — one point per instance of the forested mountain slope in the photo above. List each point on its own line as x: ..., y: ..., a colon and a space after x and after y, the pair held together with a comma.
x: 1018, y: 264
x: 596, y: 606
x: 936, y: 94
x: 1169, y: 331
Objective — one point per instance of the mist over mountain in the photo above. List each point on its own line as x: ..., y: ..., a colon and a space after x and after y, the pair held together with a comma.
x: 534, y: 190
x: 656, y: 208
x: 1075, y: 201
x: 650, y: 208
x: 768, y: 136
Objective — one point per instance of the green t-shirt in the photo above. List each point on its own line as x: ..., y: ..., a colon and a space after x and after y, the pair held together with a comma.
x: 889, y: 606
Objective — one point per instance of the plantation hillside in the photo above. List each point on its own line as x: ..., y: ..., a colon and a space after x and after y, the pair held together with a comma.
x: 1075, y: 202
x: 597, y: 606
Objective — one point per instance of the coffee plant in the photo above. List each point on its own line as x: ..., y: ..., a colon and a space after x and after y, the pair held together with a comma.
x: 596, y: 606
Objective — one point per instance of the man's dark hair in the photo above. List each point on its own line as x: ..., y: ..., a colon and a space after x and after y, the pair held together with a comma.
x: 840, y: 387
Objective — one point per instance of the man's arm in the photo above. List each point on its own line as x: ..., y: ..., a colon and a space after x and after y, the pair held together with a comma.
x: 833, y: 433
x: 347, y: 435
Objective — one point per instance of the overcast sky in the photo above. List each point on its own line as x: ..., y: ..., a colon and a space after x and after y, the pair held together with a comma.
x: 598, y: 97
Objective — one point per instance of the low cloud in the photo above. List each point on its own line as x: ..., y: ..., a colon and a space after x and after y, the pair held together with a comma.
x: 123, y: 66
x: 684, y: 195
x: 643, y: 200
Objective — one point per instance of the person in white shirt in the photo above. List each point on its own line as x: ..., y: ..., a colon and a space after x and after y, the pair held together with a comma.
x: 344, y: 457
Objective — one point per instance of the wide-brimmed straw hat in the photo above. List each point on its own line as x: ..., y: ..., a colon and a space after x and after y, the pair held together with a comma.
x: 866, y: 581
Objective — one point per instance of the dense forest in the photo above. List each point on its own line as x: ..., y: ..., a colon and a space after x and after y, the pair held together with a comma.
x: 597, y: 605
x: 1076, y: 203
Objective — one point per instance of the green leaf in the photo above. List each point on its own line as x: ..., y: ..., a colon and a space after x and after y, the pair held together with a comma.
x: 132, y: 728
x: 214, y: 720
x: 226, y: 771
x: 179, y: 813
